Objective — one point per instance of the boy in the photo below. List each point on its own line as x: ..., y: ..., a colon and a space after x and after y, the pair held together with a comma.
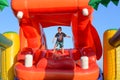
x: 60, y: 38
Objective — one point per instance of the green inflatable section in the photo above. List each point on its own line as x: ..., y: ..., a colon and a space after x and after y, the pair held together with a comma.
x: 5, y: 42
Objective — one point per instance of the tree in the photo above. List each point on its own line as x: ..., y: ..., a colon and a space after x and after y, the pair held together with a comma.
x: 3, y: 4
x: 95, y: 3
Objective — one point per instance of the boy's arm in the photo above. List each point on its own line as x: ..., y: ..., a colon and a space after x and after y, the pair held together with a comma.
x: 68, y: 36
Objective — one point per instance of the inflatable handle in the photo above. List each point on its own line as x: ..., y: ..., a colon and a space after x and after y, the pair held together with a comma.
x: 28, y: 60
x: 85, y: 62
x: 5, y: 42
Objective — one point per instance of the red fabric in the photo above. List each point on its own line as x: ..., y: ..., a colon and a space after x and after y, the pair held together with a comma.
x: 23, y: 52
x: 38, y: 55
x: 97, y: 42
x: 75, y: 54
x: 49, y: 63
x: 88, y: 51
x: 42, y: 63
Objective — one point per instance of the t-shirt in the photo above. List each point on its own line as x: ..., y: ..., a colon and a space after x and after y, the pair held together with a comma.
x: 60, y: 36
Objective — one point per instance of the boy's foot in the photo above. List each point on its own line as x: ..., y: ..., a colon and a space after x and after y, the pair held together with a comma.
x: 53, y: 51
x: 62, y: 52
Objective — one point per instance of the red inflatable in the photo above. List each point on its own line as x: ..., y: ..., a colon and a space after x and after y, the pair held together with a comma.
x: 34, y: 15
x: 45, y: 67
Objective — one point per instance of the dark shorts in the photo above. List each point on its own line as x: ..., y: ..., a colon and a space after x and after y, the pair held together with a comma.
x: 60, y: 44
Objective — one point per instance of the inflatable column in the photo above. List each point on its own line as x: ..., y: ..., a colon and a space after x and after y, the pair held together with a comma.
x: 111, y: 57
x: 4, y: 44
x: 8, y: 57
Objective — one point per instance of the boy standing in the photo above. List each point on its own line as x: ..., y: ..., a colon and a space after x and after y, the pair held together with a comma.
x: 60, y: 38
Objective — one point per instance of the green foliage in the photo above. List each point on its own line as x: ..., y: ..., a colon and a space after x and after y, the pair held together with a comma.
x: 95, y: 3
x: 3, y: 4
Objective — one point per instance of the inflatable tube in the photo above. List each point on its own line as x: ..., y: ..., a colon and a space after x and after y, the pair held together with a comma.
x: 109, y: 65
x: 115, y: 40
x: 9, y: 56
x: 53, y: 6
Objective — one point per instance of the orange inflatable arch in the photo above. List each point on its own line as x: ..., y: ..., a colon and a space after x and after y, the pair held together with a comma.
x: 34, y: 15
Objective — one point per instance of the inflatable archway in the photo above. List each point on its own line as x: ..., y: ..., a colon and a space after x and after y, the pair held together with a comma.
x: 34, y: 15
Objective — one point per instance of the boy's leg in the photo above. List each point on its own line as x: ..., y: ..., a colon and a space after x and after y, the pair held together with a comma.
x: 61, y: 46
x: 56, y: 44
x: 54, y: 48
x: 55, y: 55
x: 62, y: 50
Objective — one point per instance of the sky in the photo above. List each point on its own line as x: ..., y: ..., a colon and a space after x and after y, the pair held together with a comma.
x: 103, y: 19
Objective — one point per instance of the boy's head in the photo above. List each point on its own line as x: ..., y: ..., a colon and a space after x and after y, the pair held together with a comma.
x: 59, y: 29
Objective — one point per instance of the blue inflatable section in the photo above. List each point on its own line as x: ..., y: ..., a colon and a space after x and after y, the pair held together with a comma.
x: 100, y: 75
x: 16, y: 78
